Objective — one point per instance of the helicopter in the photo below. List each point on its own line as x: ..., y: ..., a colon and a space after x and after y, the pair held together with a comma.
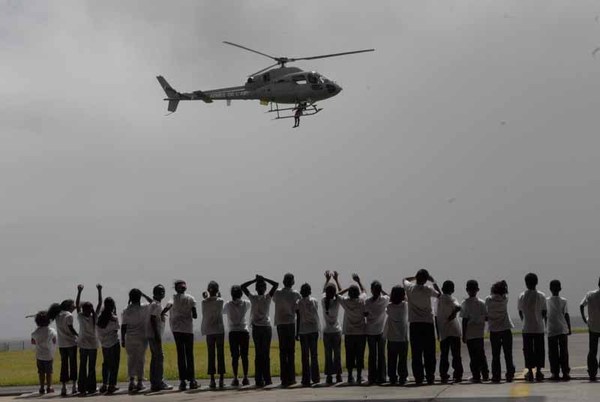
x: 271, y: 86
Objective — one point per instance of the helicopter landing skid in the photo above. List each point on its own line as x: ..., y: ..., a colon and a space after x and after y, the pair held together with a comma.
x: 309, y: 110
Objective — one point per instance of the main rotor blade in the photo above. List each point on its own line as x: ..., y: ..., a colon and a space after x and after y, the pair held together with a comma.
x: 330, y: 55
x: 250, y: 50
x: 264, y: 69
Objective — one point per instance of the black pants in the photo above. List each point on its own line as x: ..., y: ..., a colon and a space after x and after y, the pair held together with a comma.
x: 111, y: 358
x: 450, y: 344
x: 558, y: 354
x: 87, y: 370
x: 502, y: 341
x: 261, y: 335
x: 216, y: 341
x: 287, y: 350
x: 68, y: 364
x: 238, y: 345
x: 592, y: 359
x: 533, y: 351
x: 310, y: 358
x: 332, y: 342
x: 422, y: 347
x: 396, y: 359
x: 355, y: 352
x: 377, y: 368
x: 184, y: 343
x: 478, y: 360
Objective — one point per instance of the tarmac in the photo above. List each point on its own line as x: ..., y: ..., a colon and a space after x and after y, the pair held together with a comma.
x: 579, y: 389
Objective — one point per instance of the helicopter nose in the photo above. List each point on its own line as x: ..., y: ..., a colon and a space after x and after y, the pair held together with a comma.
x: 339, y: 88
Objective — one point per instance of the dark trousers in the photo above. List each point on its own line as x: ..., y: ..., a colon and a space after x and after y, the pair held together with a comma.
x: 310, y: 358
x: 261, y: 335
x: 533, y: 351
x: 287, y: 350
x: 377, y: 368
x: 502, y: 341
x: 592, y: 359
x: 422, y: 347
x: 87, y: 370
x: 216, y: 341
x: 355, y: 352
x: 396, y: 360
x: 450, y: 344
x: 332, y: 342
x: 238, y: 345
x: 111, y: 357
x: 68, y: 364
x: 157, y: 359
x: 558, y: 354
x: 184, y: 343
x: 478, y: 360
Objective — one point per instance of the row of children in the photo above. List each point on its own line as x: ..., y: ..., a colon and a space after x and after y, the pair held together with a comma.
x: 405, y: 316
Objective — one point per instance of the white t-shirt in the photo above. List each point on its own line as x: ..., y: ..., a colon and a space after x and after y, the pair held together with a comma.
x: 155, y: 310
x: 375, y: 309
x: 236, y: 314
x: 473, y: 309
x: 285, y: 306
x: 87, y: 332
x: 259, y: 310
x: 419, y: 302
x: 135, y: 316
x: 212, y: 316
x: 180, y: 315
x: 45, y: 343
x: 308, y: 309
x: 331, y: 323
x: 66, y: 338
x: 531, y: 304
x: 109, y: 335
x: 354, y: 315
x: 396, y: 326
x: 446, y: 306
x: 592, y: 301
x: 557, y: 323
x: 498, y: 317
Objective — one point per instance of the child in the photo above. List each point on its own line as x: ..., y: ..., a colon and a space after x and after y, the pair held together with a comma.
x: 375, y: 312
x: 261, y: 327
x: 285, y: 313
x: 396, y: 333
x: 308, y: 333
x: 592, y: 301
x: 155, y: 334
x: 449, y: 333
x: 67, y: 346
x: 134, y: 339
x: 474, y: 315
x: 183, y: 312
x: 107, y: 329
x: 532, y: 310
x: 500, y: 325
x: 354, y: 329
x: 44, y: 339
x: 422, y: 330
x: 332, y: 331
x: 559, y: 328
x: 88, y: 345
x: 239, y: 338
x: 214, y: 330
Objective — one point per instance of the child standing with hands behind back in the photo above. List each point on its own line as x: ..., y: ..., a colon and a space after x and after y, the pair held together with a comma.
x: 44, y: 339
x: 559, y: 328
x: 474, y: 315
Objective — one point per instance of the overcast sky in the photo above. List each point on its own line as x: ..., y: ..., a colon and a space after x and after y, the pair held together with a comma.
x: 466, y: 143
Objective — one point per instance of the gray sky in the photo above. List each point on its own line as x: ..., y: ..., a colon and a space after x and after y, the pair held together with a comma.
x: 467, y: 143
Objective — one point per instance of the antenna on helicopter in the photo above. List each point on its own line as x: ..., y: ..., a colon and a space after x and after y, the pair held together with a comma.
x: 281, y: 61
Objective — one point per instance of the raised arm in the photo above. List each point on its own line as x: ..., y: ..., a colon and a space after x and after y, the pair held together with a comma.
x: 337, y: 280
x: 245, y: 285
x: 274, y: 285
x: 356, y: 279
x: 99, y: 306
x: 435, y: 286
x: 327, y: 279
x: 147, y: 298
x: 78, y: 299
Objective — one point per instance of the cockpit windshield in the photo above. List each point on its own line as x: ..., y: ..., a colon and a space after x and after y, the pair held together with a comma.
x: 321, y: 78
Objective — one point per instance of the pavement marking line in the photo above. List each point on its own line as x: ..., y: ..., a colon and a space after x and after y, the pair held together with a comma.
x: 519, y: 390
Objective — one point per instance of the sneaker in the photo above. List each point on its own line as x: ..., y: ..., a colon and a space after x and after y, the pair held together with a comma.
x: 305, y: 383
x: 566, y: 377
x: 402, y: 381
x: 338, y: 378
x: 42, y: 391
x: 457, y: 380
x: 182, y: 386
x: 329, y: 380
x: 140, y: 386
x: 165, y: 387
x: 74, y: 390
x: 444, y: 379
x: 539, y: 376
x: 529, y: 376
x: 554, y: 377
x: 221, y: 383
x: 131, y: 387
x: 245, y: 381
x: 212, y: 384
x: 510, y: 377
x: 49, y: 390
x: 63, y: 391
x: 485, y: 376
x: 112, y: 389
x: 496, y: 380
x: 194, y: 384
x: 350, y: 379
x: 235, y: 382
x: 103, y: 389
x: 359, y: 379
x: 260, y: 384
x: 269, y: 382
x: 593, y: 378
x: 475, y: 380
x: 430, y: 381
x: 393, y: 381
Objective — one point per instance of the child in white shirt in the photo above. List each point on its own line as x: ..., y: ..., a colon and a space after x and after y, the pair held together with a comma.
x: 396, y: 333
x: 134, y: 338
x: 449, y: 333
x: 239, y: 337
x: 354, y: 329
x: 308, y: 333
x: 592, y: 301
x: 44, y: 338
x: 88, y: 345
x: 474, y: 315
x: 107, y: 329
x: 532, y: 310
x: 213, y: 328
x: 332, y: 331
x: 559, y: 328
x: 67, y: 344
x: 500, y: 326
x: 375, y: 312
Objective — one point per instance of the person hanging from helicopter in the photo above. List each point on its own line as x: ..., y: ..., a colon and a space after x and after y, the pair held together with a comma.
x: 298, y: 112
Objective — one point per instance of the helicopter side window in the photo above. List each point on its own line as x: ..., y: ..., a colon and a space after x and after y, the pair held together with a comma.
x: 266, y: 77
x: 312, y: 79
x: 299, y: 79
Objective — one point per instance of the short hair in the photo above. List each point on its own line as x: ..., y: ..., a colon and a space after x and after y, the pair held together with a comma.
x: 41, y: 319
x: 472, y: 284
x: 213, y: 285
x: 305, y: 290
x: 422, y: 275
x: 236, y: 291
x: 135, y: 295
x: 531, y: 280
x: 447, y: 286
x: 157, y: 289
x: 353, y: 291
x: 500, y: 288
x: 67, y: 304
x: 397, y: 294
x: 555, y: 283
